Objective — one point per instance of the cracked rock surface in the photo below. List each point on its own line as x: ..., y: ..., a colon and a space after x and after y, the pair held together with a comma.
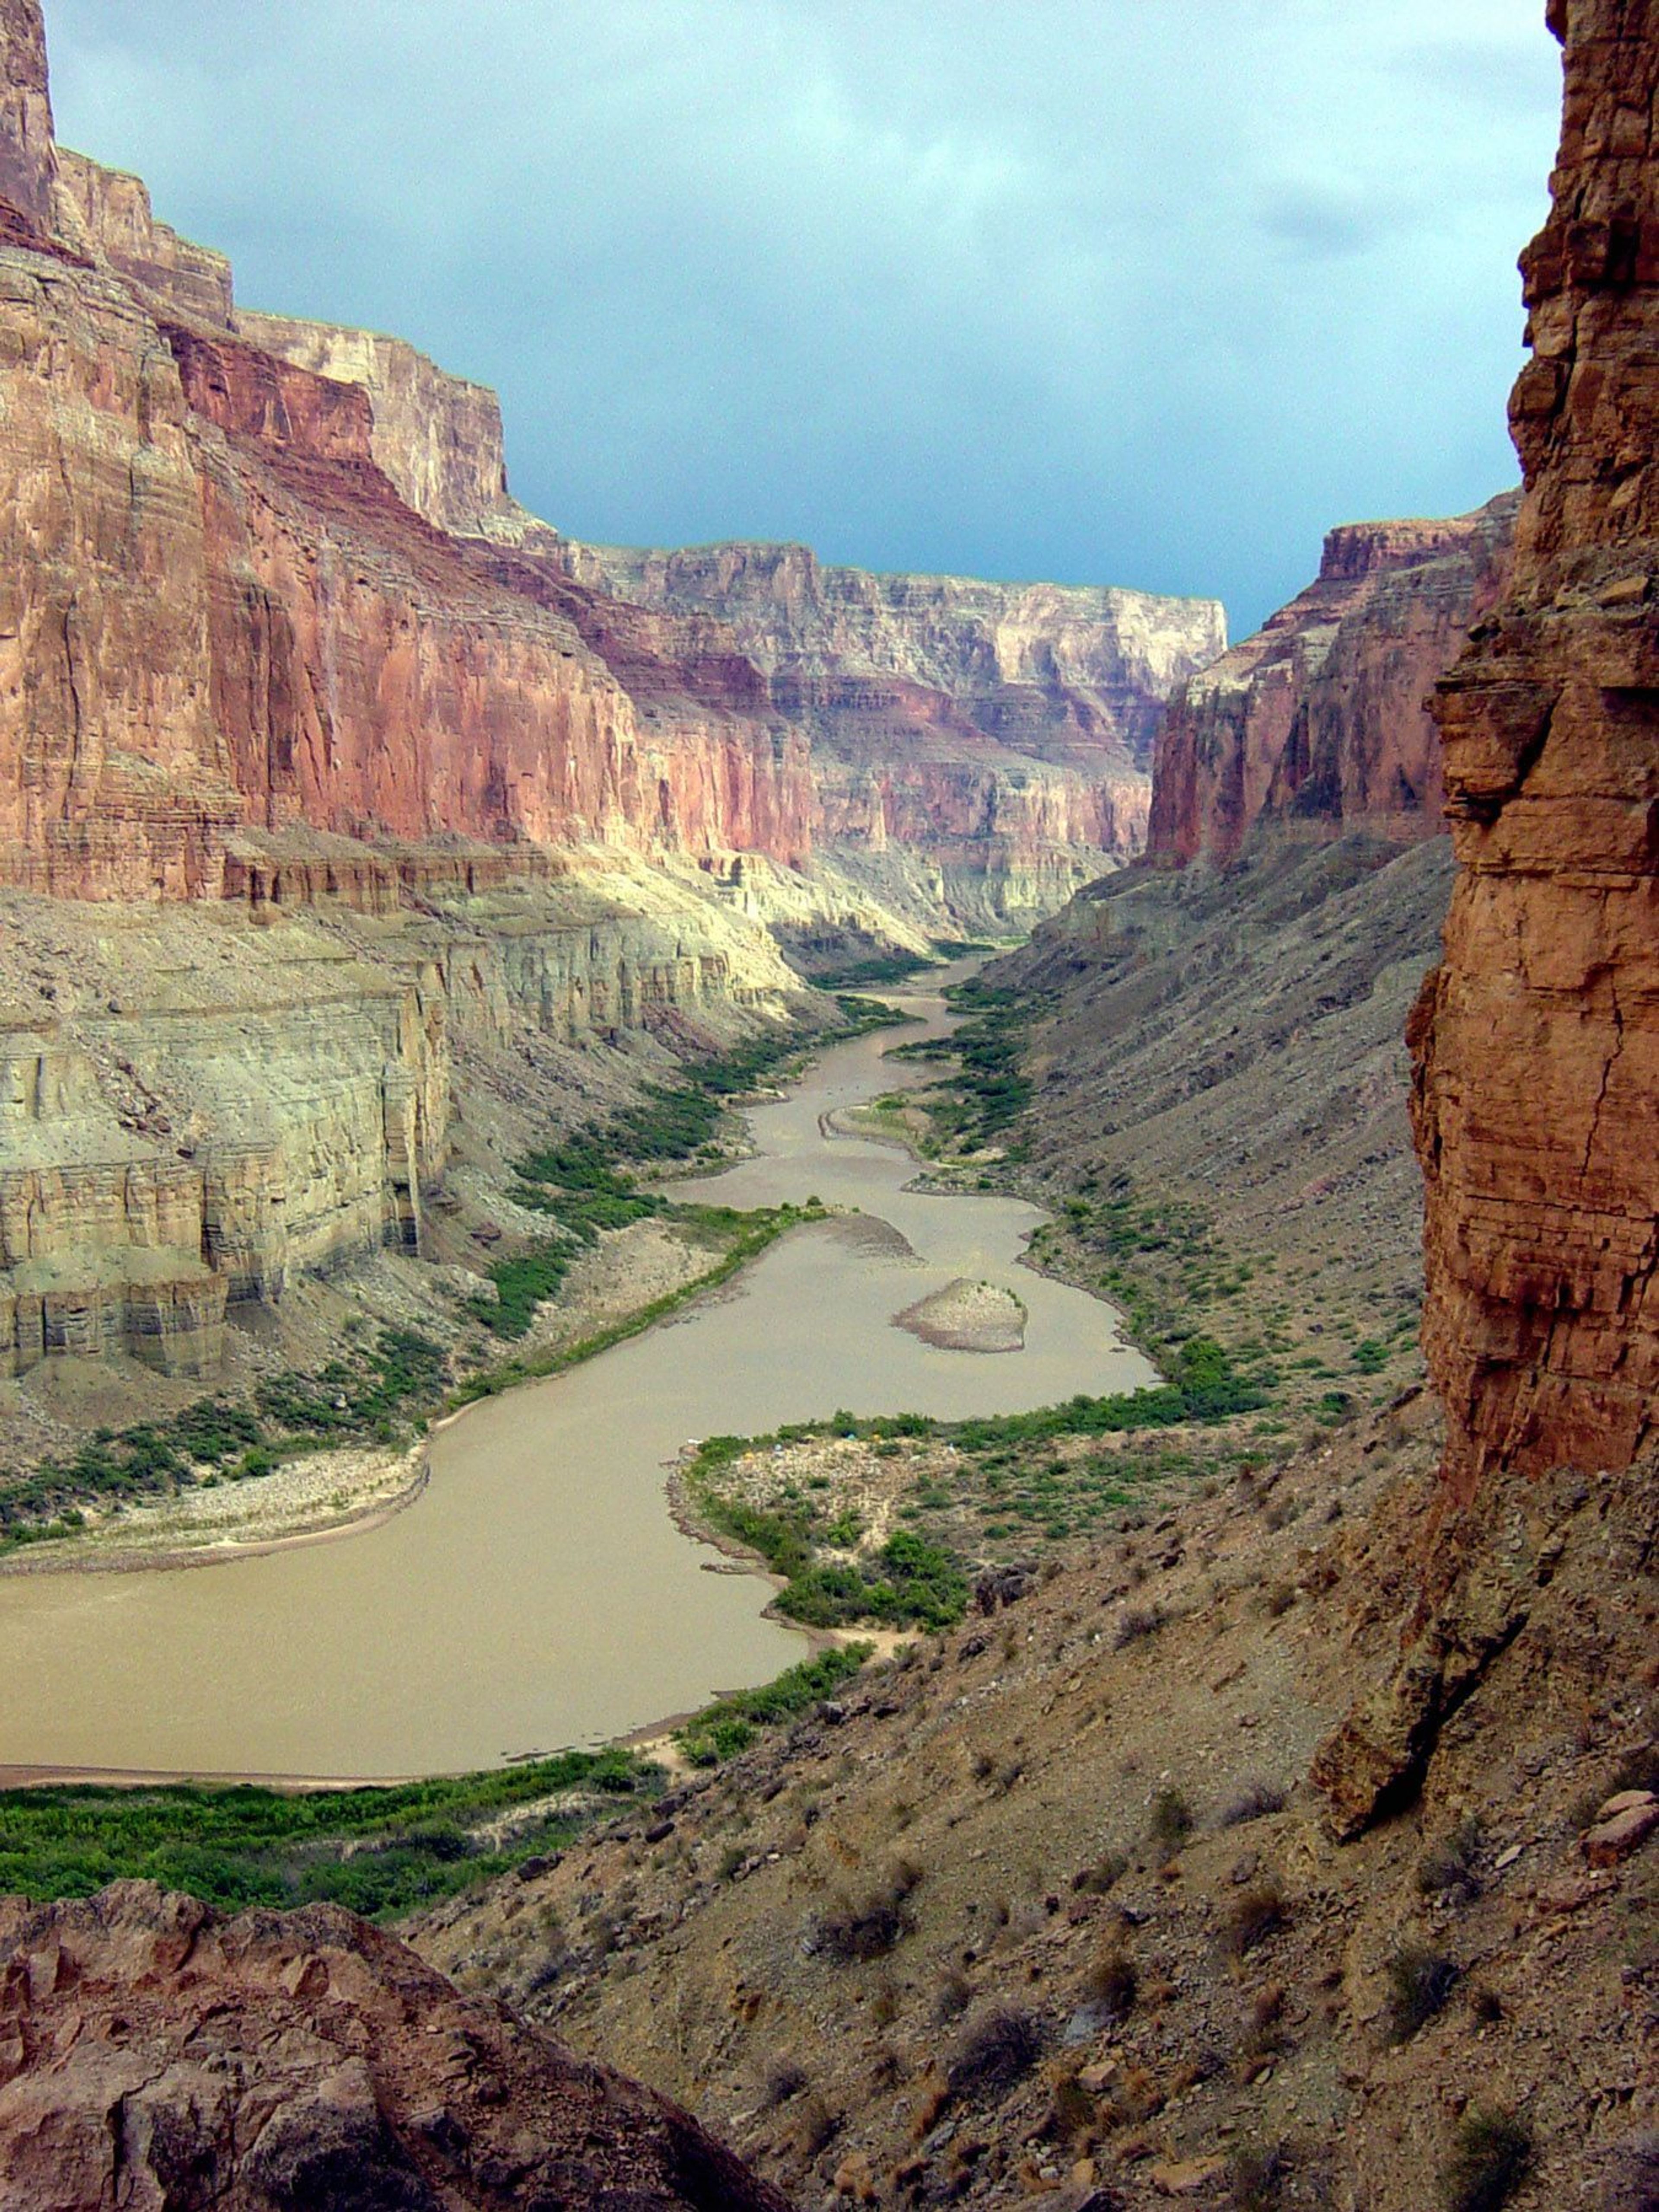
x: 154, y: 2055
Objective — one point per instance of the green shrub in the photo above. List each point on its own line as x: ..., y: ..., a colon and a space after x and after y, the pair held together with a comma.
x: 1491, y: 2153
x: 1171, y: 1821
x: 723, y: 1729
x: 1420, y: 1980
x: 379, y: 1851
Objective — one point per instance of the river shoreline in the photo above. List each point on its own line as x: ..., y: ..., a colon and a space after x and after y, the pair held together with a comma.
x: 317, y: 1498
x: 538, y: 1597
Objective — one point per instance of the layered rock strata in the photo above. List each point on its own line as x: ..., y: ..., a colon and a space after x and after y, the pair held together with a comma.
x: 193, y: 1110
x: 275, y: 639
x: 1536, y: 1042
x: 1318, y: 726
x: 438, y: 439
x: 222, y: 612
x: 1004, y: 730
x: 152, y: 2053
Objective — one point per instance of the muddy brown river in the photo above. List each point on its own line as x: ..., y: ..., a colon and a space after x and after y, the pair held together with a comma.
x: 537, y: 1594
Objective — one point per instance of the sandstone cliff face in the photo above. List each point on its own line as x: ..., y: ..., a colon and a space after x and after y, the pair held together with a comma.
x: 1537, y: 1041
x: 109, y: 215
x: 152, y: 2053
x: 437, y: 439
x: 1072, y: 671
x: 1004, y: 729
x: 1318, y: 726
x: 223, y: 610
x: 114, y: 780
x: 193, y: 1111
x: 28, y: 160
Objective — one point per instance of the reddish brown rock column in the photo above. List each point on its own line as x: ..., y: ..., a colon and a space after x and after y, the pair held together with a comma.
x: 26, y: 160
x: 1536, y: 1043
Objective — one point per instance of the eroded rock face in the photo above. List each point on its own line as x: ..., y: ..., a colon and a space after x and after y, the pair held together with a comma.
x: 28, y: 158
x: 233, y: 595
x: 346, y: 623
x: 1536, y: 1043
x: 114, y: 780
x: 1003, y: 729
x: 153, y: 2054
x: 194, y: 1111
x: 437, y: 438
x: 1318, y: 726
x: 109, y: 213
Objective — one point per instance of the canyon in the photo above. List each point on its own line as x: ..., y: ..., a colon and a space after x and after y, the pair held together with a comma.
x: 1299, y: 1825
x: 1318, y: 726
x: 1280, y: 1833
x: 359, y: 766
x: 1221, y: 1022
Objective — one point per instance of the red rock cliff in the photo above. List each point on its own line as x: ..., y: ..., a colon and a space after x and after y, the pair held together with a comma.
x: 27, y: 161
x: 1002, y: 729
x: 1318, y: 724
x: 222, y: 612
x: 1536, y: 1043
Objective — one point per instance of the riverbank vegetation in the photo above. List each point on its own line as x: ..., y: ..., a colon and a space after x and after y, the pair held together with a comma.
x: 739, y: 1237
x: 829, y: 1580
x: 958, y: 1491
x: 381, y: 1851
x: 367, y: 1393
x: 731, y: 1724
x: 382, y: 1385
x: 872, y: 970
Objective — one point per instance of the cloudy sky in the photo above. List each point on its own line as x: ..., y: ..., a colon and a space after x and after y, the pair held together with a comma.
x: 1145, y: 292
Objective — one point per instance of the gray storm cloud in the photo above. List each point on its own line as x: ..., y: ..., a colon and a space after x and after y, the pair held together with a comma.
x: 1105, y: 292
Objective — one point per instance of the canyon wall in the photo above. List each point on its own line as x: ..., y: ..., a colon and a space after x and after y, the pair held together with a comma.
x: 108, y: 213
x: 28, y: 158
x: 1536, y: 1042
x: 114, y: 779
x: 1319, y: 725
x: 437, y: 438
x: 1069, y: 671
x: 1003, y: 729
x: 194, y: 1109
x: 237, y: 597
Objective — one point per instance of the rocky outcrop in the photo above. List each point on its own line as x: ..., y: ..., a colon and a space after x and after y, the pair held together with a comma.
x: 437, y: 439
x: 153, y: 2053
x: 1536, y: 1042
x: 194, y: 1111
x: 1318, y: 726
x: 114, y: 779
x: 27, y: 156
x: 108, y: 214
x: 247, y: 1106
